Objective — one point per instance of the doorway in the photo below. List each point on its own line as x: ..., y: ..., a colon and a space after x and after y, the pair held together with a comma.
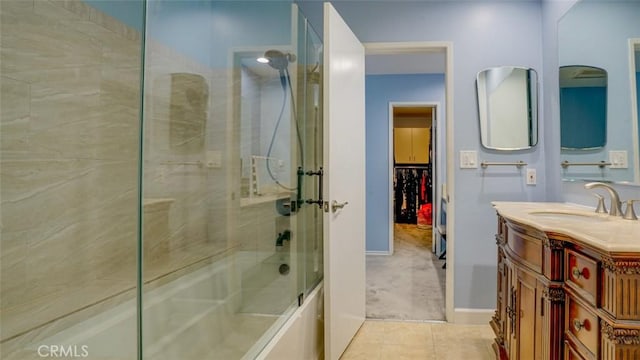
x: 408, y: 281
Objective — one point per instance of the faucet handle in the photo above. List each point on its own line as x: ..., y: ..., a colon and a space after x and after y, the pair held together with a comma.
x: 602, y: 208
x: 629, y: 213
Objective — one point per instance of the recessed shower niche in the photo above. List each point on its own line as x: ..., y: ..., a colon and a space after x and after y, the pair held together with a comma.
x: 265, y: 88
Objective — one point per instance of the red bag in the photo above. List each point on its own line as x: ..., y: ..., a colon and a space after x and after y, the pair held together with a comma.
x: 424, y: 215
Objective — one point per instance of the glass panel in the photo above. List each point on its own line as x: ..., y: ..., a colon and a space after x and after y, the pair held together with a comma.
x: 225, y: 131
x: 310, y: 217
x: 69, y: 143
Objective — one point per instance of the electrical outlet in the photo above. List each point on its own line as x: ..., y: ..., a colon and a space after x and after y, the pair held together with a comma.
x: 618, y: 159
x: 531, y: 177
x: 468, y: 159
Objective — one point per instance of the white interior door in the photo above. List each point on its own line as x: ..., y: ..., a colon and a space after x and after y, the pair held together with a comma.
x: 344, y: 160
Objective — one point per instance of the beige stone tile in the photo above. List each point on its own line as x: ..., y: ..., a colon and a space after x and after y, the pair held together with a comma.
x: 71, y: 77
x: 14, y: 117
x: 408, y: 333
x: 371, y: 332
x: 38, y: 41
x: 462, y: 341
x: 362, y: 351
x: 406, y: 352
x: 50, y: 190
x: 54, y: 9
x: 78, y: 7
x: 13, y: 271
x: 15, y: 100
x: 421, y: 341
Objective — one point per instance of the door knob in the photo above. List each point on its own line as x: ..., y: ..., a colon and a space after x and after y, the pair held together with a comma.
x: 336, y: 205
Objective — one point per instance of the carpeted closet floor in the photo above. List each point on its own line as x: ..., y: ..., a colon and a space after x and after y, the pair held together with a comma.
x: 408, y: 285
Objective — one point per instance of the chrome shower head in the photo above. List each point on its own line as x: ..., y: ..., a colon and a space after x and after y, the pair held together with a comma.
x: 279, y: 60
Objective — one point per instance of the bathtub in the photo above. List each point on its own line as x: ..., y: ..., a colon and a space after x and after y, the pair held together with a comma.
x: 228, y: 309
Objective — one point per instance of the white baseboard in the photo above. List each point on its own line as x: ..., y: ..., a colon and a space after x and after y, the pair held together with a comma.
x: 472, y: 316
x: 386, y: 253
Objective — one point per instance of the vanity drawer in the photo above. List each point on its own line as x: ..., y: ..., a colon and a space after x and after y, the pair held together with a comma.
x: 582, y: 324
x: 582, y: 274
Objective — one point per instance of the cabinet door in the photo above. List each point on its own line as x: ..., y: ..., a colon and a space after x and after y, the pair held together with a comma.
x: 402, y: 153
x: 503, y: 294
x: 421, y: 139
x: 529, y: 311
x: 511, y: 341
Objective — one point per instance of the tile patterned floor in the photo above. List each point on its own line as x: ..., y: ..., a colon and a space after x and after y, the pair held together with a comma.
x: 394, y: 340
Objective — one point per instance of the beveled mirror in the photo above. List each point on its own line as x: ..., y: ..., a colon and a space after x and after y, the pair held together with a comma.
x: 508, y: 107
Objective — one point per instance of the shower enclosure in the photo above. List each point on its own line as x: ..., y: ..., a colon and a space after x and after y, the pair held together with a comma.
x: 159, y: 163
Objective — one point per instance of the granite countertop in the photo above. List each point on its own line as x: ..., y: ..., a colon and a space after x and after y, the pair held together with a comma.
x: 608, y: 233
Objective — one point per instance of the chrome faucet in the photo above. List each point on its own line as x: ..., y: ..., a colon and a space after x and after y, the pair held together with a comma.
x: 616, y: 206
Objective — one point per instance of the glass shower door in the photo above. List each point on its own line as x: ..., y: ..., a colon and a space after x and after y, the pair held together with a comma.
x: 310, y: 215
x: 226, y: 128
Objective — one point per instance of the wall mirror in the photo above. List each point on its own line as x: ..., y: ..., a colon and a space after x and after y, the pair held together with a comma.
x: 601, y: 35
x: 508, y: 107
x: 583, y: 107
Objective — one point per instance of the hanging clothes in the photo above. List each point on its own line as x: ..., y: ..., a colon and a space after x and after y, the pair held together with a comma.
x: 412, y: 188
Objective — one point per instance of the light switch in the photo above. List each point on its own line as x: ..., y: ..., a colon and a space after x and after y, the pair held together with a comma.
x: 618, y: 159
x: 468, y: 159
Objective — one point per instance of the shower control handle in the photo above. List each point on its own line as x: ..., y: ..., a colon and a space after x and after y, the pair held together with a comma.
x: 336, y: 205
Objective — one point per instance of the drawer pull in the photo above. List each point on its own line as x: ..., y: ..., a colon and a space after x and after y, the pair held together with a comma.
x: 579, y: 325
x: 577, y: 274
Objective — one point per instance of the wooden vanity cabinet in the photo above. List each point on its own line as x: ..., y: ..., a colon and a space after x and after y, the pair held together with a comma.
x: 528, y: 319
x: 558, y: 298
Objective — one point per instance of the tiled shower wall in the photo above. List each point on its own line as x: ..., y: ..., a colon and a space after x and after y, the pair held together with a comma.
x: 69, y: 143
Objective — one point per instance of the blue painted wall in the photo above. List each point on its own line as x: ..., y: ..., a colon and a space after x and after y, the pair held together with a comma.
x: 130, y: 12
x: 205, y: 30
x: 380, y: 91
x: 483, y: 34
